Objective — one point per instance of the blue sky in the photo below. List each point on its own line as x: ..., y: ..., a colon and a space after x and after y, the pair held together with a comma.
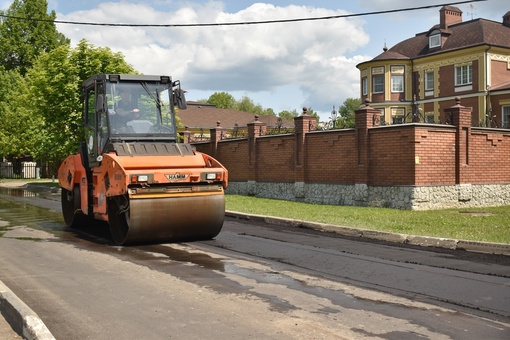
x: 282, y: 66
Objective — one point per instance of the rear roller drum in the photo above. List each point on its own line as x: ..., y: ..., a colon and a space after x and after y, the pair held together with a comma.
x: 71, y: 207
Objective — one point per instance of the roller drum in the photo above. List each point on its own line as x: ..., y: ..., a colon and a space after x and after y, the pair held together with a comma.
x: 169, y: 219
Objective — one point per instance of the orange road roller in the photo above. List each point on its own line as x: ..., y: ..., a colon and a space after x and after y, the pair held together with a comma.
x: 132, y: 172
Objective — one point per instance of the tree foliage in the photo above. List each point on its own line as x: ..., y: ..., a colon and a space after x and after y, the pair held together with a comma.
x: 289, y: 115
x: 225, y: 100
x: 40, y: 82
x: 246, y: 104
x: 17, y: 135
x: 222, y: 100
x: 26, y: 33
x: 346, y: 111
x: 54, y: 88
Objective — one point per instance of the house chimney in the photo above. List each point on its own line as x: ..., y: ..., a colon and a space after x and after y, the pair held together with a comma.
x: 506, y: 19
x: 449, y: 15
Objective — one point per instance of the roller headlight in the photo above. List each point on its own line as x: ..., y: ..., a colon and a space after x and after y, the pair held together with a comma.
x: 212, y: 176
x: 140, y: 178
x: 143, y: 178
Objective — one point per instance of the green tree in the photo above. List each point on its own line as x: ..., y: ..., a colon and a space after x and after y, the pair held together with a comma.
x: 27, y: 32
x: 91, y: 60
x: 289, y: 115
x: 19, y: 131
x: 222, y: 100
x: 225, y: 100
x: 54, y: 95
x: 269, y: 112
x: 346, y: 112
x: 246, y: 104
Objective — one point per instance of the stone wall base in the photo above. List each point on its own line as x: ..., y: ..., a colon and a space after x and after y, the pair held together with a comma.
x: 396, y: 197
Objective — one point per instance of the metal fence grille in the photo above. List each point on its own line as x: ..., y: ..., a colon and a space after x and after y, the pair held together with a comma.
x: 24, y: 170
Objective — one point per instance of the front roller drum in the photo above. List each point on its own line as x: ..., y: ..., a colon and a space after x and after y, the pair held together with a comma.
x: 163, y: 220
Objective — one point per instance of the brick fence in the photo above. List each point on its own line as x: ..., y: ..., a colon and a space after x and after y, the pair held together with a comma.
x: 405, y: 166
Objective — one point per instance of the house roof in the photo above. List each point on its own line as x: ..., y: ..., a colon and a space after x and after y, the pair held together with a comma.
x: 501, y: 86
x: 459, y: 36
x: 199, y: 115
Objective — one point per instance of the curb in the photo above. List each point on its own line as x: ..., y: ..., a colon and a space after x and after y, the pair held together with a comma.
x: 22, y: 319
x: 423, y: 241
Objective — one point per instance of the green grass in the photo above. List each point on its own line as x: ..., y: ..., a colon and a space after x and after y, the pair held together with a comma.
x: 490, y: 224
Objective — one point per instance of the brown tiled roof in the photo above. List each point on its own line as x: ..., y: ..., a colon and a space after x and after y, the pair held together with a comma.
x: 199, y: 115
x: 391, y: 55
x: 501, y: 86
x: 462, y: 35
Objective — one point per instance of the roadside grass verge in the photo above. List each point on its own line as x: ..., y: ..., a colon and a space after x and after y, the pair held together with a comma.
x: 491, y: 224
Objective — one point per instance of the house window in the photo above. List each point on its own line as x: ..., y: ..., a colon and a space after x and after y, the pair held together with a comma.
x: 429, y: 117
x: 378, y: 84
x: 378, y: 79
x: 382, y: 117
x: 435, y: 40
x: 506, y: 116
x: 397, y: 115
x: 397, y: 78
x: 429, y: 80
x: 463, y: 75
x: 364, y: 86
x: 397, y: 83
x: 378, y: 70
x: 397, y: 70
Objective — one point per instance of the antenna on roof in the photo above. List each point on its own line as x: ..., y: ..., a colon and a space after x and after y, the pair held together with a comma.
x: 472, y: 10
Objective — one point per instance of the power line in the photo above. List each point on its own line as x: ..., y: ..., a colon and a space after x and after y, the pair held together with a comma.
x: 242, y: 23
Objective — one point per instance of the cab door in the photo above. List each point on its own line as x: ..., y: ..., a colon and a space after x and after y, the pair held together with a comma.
x: 95, y: 124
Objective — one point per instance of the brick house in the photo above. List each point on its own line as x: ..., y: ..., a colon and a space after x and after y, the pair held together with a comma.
x: 415, y: 80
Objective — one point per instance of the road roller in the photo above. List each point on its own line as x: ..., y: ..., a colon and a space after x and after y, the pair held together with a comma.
x: 132, y: 172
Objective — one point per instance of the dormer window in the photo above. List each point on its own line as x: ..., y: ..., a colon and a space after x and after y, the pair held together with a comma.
x: 435, y: 39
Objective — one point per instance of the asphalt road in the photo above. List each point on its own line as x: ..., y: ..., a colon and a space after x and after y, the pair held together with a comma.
x: 253, y: 281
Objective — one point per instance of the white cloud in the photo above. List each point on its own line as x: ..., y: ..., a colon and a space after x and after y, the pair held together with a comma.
x: 492, y: 10
x: 250, y: 58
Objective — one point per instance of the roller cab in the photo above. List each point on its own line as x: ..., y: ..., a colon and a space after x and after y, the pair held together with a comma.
x: 132, y: 173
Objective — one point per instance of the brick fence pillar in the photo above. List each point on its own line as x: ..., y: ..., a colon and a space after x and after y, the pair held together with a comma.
x: 255, y: 130
x: 460, y: 117
x: 187, y: 135
x: 366, y: 117
x: 302, y: 125
x: 217, y: 134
